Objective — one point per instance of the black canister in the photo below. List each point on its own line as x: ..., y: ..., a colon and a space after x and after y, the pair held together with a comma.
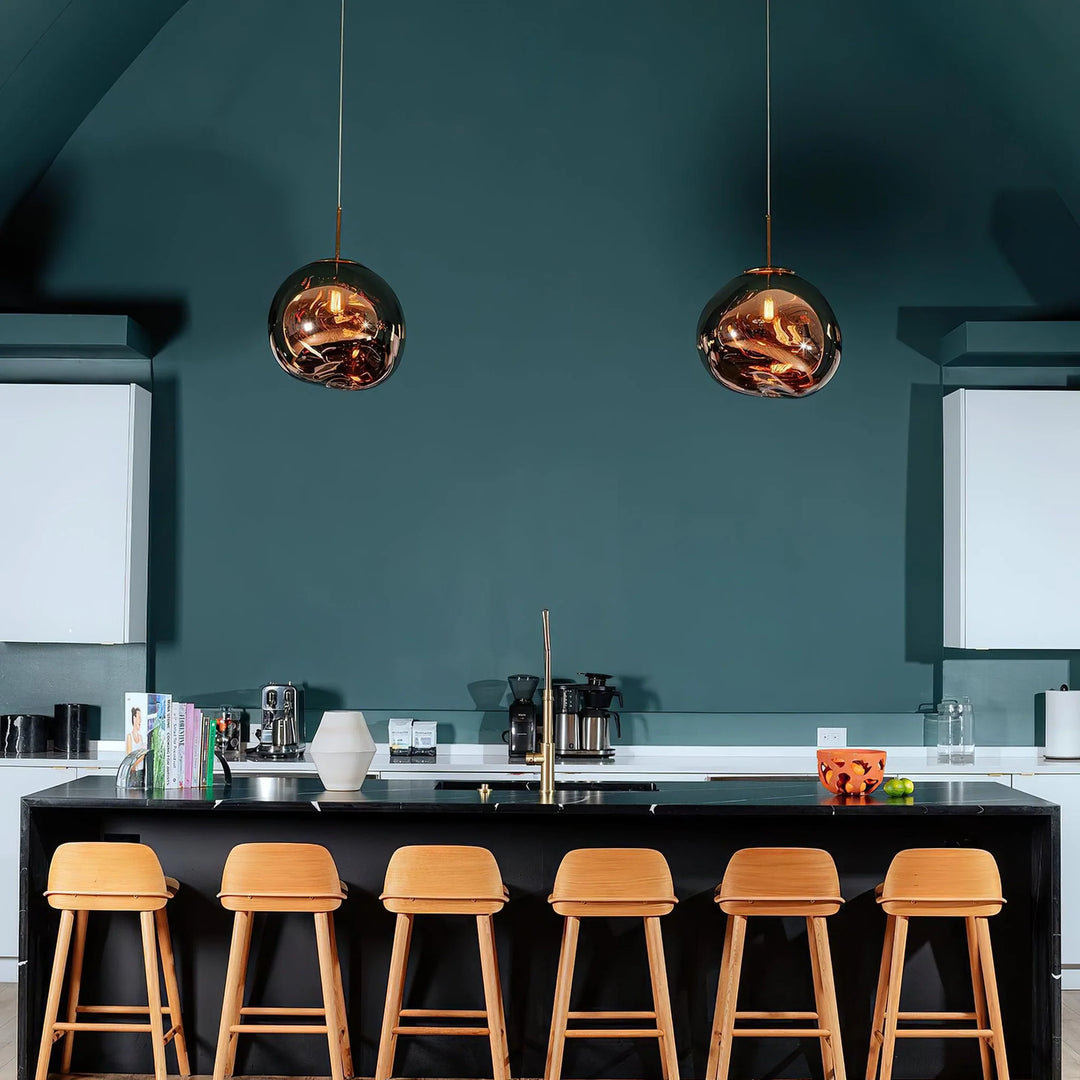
x: 23, y: 733
x: 69, y: 729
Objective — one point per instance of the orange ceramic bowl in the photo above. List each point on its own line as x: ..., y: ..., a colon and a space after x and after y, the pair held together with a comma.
x: 851, y: 772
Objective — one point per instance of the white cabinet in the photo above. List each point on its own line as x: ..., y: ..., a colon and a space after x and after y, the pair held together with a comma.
x: 1012, y: 519
x: 1065, y: 791
x: 15, y: 782
x: 74, y: 491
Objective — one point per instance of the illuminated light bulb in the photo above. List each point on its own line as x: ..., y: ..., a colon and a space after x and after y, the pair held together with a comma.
x: 768, y: 309
x: 335, y: 301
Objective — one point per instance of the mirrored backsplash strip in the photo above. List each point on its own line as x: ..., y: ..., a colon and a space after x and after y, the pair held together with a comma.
x: 35, y: 677
x: 1002, y: 688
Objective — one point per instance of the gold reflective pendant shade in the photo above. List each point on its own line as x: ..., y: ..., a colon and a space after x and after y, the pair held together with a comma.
x: 769, y: 333
x: 337, y: 323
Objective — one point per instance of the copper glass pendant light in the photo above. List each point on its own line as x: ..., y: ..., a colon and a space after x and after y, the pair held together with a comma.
x: 768, y: 332
x: 334, y: 321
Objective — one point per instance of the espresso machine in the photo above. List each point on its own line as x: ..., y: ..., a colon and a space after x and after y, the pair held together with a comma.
x: 282, y: 714
x: 582, y: 717
x: 524, y: 732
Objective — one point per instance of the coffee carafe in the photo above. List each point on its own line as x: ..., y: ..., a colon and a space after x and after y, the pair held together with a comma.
x: 523, y: 735
x: 565, y: 705
x: 595, y: 716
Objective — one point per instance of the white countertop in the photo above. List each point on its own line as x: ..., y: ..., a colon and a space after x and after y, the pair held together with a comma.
x: 464, y: 761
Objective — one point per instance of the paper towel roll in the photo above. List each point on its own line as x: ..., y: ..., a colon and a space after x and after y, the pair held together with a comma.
x: 1063, y: 723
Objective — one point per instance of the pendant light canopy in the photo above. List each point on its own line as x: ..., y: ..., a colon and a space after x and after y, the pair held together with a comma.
x: 334, y: 321
x: 768, y: 332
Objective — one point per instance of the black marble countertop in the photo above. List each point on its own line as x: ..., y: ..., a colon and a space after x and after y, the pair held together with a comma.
x: 718, y: 797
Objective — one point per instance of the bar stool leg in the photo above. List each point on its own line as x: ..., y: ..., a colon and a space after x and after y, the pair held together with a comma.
x: 74, y: 986
x: 172, y: 990
x: 339, y: 998
x: 877, y: 1027
x: 56, y: 984
x: 978, y: 991
x: 654, y: 943
x: 395, y: 994
x: 225, y: 1055
x: 993, y: 1003
x: 561, y: 1007
x: 819, y: 1000
x: 892, y: 1001
x: 153, y: 992
x: 329, y: 993
x: 828, y: 994
x: 496, y: 1022
x: 727, y: 995
x: 715, y: 1034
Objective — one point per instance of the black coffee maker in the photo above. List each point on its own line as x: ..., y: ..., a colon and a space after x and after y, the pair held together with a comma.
x: 524, y: 733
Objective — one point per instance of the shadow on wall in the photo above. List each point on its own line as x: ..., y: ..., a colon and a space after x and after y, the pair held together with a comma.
x: 160, y: 259
x: 1039, y: 238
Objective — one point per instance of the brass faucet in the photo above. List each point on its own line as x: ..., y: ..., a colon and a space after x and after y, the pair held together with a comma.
x: 546, y: 758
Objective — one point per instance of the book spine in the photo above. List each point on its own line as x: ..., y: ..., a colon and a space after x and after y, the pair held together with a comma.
x: 211, y: 742
x: 189, y: 745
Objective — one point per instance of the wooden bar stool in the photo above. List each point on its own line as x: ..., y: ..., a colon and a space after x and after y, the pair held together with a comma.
x: 282, y: 878
x: 631, y: 882
x: 777, y: 881
x: 443, y: 880
x: 950, y: 882
x: 85, y: 877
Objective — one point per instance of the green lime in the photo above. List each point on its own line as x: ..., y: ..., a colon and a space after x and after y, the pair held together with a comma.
x: 893, y: 787
x: 909, y: 785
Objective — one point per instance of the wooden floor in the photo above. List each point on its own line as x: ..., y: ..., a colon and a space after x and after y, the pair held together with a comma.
x: 1070, y: 1033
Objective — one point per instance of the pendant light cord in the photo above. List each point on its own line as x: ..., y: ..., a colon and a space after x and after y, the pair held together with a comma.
x: 768, y: 135
x: 340, y: 112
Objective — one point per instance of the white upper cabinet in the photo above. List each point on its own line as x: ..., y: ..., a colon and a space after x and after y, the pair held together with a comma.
x: 1012, y: 519
x: 74, y: 487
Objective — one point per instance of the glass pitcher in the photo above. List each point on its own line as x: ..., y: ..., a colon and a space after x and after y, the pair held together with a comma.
x: 956, y: 732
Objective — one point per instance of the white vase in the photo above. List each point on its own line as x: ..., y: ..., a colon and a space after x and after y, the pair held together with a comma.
x: 342, y: 749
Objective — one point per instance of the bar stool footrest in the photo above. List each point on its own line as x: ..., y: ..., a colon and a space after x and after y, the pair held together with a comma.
x: 944, y: 1033
x: 121, y: 1010
x: 610, y: 1015
x: 464, y: 1014
x: 426, y: 1030
x: 781, y: 1033
x: 936, y: 1016
x: 615, y: 1033
x: 62, y: 1026
x: 276, y: 1010
x: 777, y: 1016
x: 278, y: 1029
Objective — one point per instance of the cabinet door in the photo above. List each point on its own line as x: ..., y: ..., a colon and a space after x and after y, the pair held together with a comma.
x: 74, y: 543
x: 1065, y: 791
x: 15, y: 782
x: 1012, y: 579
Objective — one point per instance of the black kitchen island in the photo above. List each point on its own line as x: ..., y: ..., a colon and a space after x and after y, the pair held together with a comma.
x: 696, y: 826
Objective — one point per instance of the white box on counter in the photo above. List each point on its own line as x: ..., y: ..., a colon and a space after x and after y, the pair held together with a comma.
x: 400, y: 735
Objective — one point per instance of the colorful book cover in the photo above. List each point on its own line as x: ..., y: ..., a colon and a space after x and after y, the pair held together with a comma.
x: 135, y: 728
x: 156, y: 716
x: 211, y: 742
x: 191, y: 778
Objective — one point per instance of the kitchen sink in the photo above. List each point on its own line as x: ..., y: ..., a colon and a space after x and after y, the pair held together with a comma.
x: 534, y: 785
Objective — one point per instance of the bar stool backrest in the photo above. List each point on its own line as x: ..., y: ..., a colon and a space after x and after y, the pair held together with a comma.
x: 789, y: 881
x: 280, y: 877
x: 443, y: 872
x: 942, y: 881
x: 97, y: 876
x: 615, y: 880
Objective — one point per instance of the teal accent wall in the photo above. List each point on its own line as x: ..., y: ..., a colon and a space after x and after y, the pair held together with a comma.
x: 555, y: 191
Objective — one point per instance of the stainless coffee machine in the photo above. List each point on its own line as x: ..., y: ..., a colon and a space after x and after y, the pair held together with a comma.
x: 282, y: 714
x: 582, y: 716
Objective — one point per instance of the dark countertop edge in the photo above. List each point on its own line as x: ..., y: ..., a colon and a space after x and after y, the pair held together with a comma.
x: 514, y: 808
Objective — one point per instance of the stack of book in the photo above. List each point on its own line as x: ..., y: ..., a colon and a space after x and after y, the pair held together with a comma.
x: 179, y: 740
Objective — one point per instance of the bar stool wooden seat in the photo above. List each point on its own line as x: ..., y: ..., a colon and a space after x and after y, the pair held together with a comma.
x: 630, y: 882
x: 443, y: 880
x: 939, y: 882
x: 85, y: 877
x: 777, y: 881
x: 282, y: 878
